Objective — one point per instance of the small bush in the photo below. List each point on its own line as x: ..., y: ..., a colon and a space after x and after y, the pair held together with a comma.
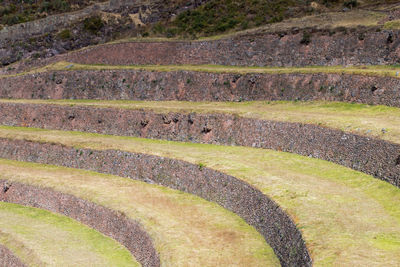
x: 171, y: 32
x: 329, y: 3
x: 158, y: 28
x: 65, y: 34
x: 201, y: 166
x: 350, y: 3
x: 93, y: 24
x: 55, y: 5
x: 306, y: 38
x: 36, y: 56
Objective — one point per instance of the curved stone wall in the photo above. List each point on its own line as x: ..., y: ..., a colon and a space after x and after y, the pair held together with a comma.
x: 7, y: 258
x: 231, y: 193
x: 202, y: 86
x: 326, y: 47
x: 111, y: 223
x: 373, y: 156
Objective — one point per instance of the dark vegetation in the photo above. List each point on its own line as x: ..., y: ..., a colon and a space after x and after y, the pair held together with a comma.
x: 93, y: 24
x: 19, y: 11
x: 65, y: 34
x: 219, y: 16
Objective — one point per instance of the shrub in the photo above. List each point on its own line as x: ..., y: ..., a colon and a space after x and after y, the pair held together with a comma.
x: 93, y: 24
x: 55, y: 5
x: 329, y: 3
x: 13, y: 19
x: 306, y: 38
x: 350, y: 3
x: 201, y: 166
x: 158, y: 28
x: 217, y: 16
x: 65, y: 34
x: 171, y: 32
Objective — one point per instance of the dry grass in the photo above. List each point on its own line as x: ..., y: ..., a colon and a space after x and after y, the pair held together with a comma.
x: 377, y: 70
x: 186, y: 229
x: 32, y: 233
x: 392, y: 25
x: 376, y: 121
x: 19, y: 249
x: 347, y: 218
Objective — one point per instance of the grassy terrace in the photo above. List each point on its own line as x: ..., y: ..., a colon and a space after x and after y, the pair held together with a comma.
x: 376, y: 121
x: 31, y: 234
x: 377, y: 70
x: 347, y: 217
x: 186, y: 229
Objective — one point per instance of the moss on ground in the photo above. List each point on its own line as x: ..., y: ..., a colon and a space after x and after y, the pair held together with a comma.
x: 376, y: 121
x: 347, y: 217
x: 31, y: 234
x: 186, y: 229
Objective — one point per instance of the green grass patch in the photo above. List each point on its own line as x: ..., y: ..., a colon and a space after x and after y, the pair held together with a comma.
x: 32, y: 233
x: 341, y: 212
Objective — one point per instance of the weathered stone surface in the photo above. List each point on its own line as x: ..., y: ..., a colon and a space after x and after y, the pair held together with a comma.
x: 261, y: 49
x: 202, y: 86
x: 7, y: 258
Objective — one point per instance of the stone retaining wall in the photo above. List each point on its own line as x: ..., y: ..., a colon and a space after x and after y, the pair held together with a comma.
x: 326, y: 47
x: 372, y: 156
x: 7, y: 258
x: 231, y: 193
x: 111, y: 223
x: 202, y: 86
